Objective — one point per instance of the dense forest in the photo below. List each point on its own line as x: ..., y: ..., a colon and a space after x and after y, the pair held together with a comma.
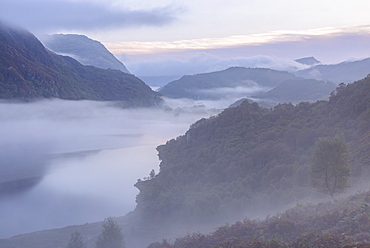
x: 29, y: 71
x: 250, y: 160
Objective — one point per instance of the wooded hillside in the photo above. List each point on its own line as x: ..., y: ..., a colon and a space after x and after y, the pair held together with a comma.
x: 252, y: 160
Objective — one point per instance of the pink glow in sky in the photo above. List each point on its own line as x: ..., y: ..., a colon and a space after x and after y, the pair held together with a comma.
x: 143, y: 30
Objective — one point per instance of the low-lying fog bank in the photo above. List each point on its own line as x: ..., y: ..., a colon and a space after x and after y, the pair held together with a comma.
x: 85, y: 157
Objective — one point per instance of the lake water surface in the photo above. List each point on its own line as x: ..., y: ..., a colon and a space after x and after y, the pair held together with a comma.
x: 89, y: 155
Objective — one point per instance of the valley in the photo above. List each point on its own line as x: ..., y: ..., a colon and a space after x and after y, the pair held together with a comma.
x: 243, y: 152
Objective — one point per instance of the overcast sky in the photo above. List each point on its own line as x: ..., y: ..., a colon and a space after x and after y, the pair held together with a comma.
x: 171, y: 20
x: 141, y: 29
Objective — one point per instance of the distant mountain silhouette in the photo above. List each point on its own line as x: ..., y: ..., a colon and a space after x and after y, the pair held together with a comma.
x: 344, y: 72
x: 267, y: 86
x: 29, y: 71
x: 299, y: 90
x: 308, y: 61
x: 207, y: 85
x: 293, y: 91
x: 85, y: 50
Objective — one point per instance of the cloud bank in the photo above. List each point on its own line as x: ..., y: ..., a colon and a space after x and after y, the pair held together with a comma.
x: 42, y: 16
x: 274, y: 38
x: 203, y: 63
x: 276, y: 50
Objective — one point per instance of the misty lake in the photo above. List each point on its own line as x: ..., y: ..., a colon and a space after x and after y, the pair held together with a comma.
x: 87, y: 154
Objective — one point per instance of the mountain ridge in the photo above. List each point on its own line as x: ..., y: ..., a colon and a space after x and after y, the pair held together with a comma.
x: 301, y: 90
x: 29, y: 71
x: 191, y: 86
x: 260, y: 84
x: 84, y: 49
x: 344, y: 72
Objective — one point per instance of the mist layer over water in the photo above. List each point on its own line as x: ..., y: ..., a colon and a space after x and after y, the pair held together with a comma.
x: 86, y: 155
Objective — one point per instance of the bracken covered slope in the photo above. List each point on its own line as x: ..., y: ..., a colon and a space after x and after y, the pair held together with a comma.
x: 342, y: 223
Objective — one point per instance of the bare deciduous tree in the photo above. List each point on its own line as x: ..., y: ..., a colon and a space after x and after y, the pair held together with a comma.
x: 329, y: 167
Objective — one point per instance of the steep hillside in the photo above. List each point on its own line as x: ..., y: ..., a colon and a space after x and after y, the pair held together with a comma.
x: 250, y: 160
x: 29, y: 71
x: 345, y: 72
x: 216, y: 85
x: 84, y: 50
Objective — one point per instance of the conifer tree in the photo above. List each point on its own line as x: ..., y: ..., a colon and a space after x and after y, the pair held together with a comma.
x: 111, y: 235
x: 76, y: 241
